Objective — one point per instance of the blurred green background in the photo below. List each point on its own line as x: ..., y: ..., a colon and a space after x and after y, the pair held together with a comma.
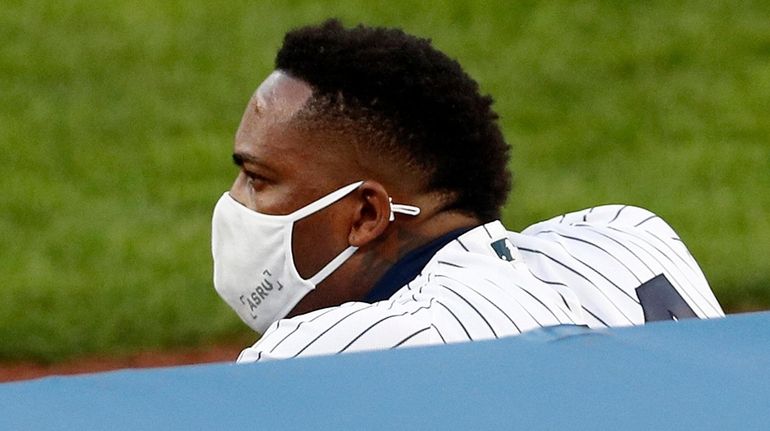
x: 117, y: 118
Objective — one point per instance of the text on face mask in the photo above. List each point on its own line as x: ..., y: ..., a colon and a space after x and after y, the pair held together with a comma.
x: 263, y: 289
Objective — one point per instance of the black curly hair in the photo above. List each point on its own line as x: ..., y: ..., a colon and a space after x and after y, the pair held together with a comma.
x: 429, y: 109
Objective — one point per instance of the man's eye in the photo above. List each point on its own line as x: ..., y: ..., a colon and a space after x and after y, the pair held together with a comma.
x: 255, y: 180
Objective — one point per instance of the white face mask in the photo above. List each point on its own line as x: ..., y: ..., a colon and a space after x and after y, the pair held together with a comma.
x: 254, y: 269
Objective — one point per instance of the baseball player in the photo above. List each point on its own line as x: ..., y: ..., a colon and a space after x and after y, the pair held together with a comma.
x: 365, y: 215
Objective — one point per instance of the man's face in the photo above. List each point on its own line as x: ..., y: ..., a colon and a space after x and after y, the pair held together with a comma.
x: 284, y: 168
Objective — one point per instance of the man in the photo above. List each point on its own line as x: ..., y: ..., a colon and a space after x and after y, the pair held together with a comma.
x: 365, y: 215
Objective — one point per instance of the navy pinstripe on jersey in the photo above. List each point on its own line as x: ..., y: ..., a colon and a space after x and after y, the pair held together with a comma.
x: 579, y: 268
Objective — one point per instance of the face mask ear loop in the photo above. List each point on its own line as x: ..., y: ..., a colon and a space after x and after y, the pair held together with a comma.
x: 333, y: 265
x: 402, y: 209
x: 323, y: 202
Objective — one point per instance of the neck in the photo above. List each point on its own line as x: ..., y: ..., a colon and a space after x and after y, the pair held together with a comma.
x: 403, y: 239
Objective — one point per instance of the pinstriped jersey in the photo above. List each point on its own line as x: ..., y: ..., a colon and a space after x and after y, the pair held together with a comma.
x: 606, y: 266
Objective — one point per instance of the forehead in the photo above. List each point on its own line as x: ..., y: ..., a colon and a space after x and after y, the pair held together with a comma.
x: 281, y: 95
x: 267, y: 118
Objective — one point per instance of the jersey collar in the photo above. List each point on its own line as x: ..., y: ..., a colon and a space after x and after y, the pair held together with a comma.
x: 408, y: 267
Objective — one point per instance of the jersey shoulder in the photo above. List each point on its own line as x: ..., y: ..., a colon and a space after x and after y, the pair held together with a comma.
x: 609, y: 215
x: 620, y: 226
x: 615, y: 249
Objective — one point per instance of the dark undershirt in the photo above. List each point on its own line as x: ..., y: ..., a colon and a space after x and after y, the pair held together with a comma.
x: 408, y: 267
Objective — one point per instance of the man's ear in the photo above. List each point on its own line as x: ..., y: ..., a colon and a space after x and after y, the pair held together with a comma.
x: 372, y: 215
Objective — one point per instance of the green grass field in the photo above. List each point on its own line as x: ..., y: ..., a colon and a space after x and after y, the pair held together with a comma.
x: 117, y: 118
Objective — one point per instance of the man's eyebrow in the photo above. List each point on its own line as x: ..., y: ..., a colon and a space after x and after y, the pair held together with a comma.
x: 242, y: 158
x: 238, y: 159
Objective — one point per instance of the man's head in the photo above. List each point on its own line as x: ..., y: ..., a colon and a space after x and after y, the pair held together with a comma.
x: 376, y: 105
x: 407, y: 100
